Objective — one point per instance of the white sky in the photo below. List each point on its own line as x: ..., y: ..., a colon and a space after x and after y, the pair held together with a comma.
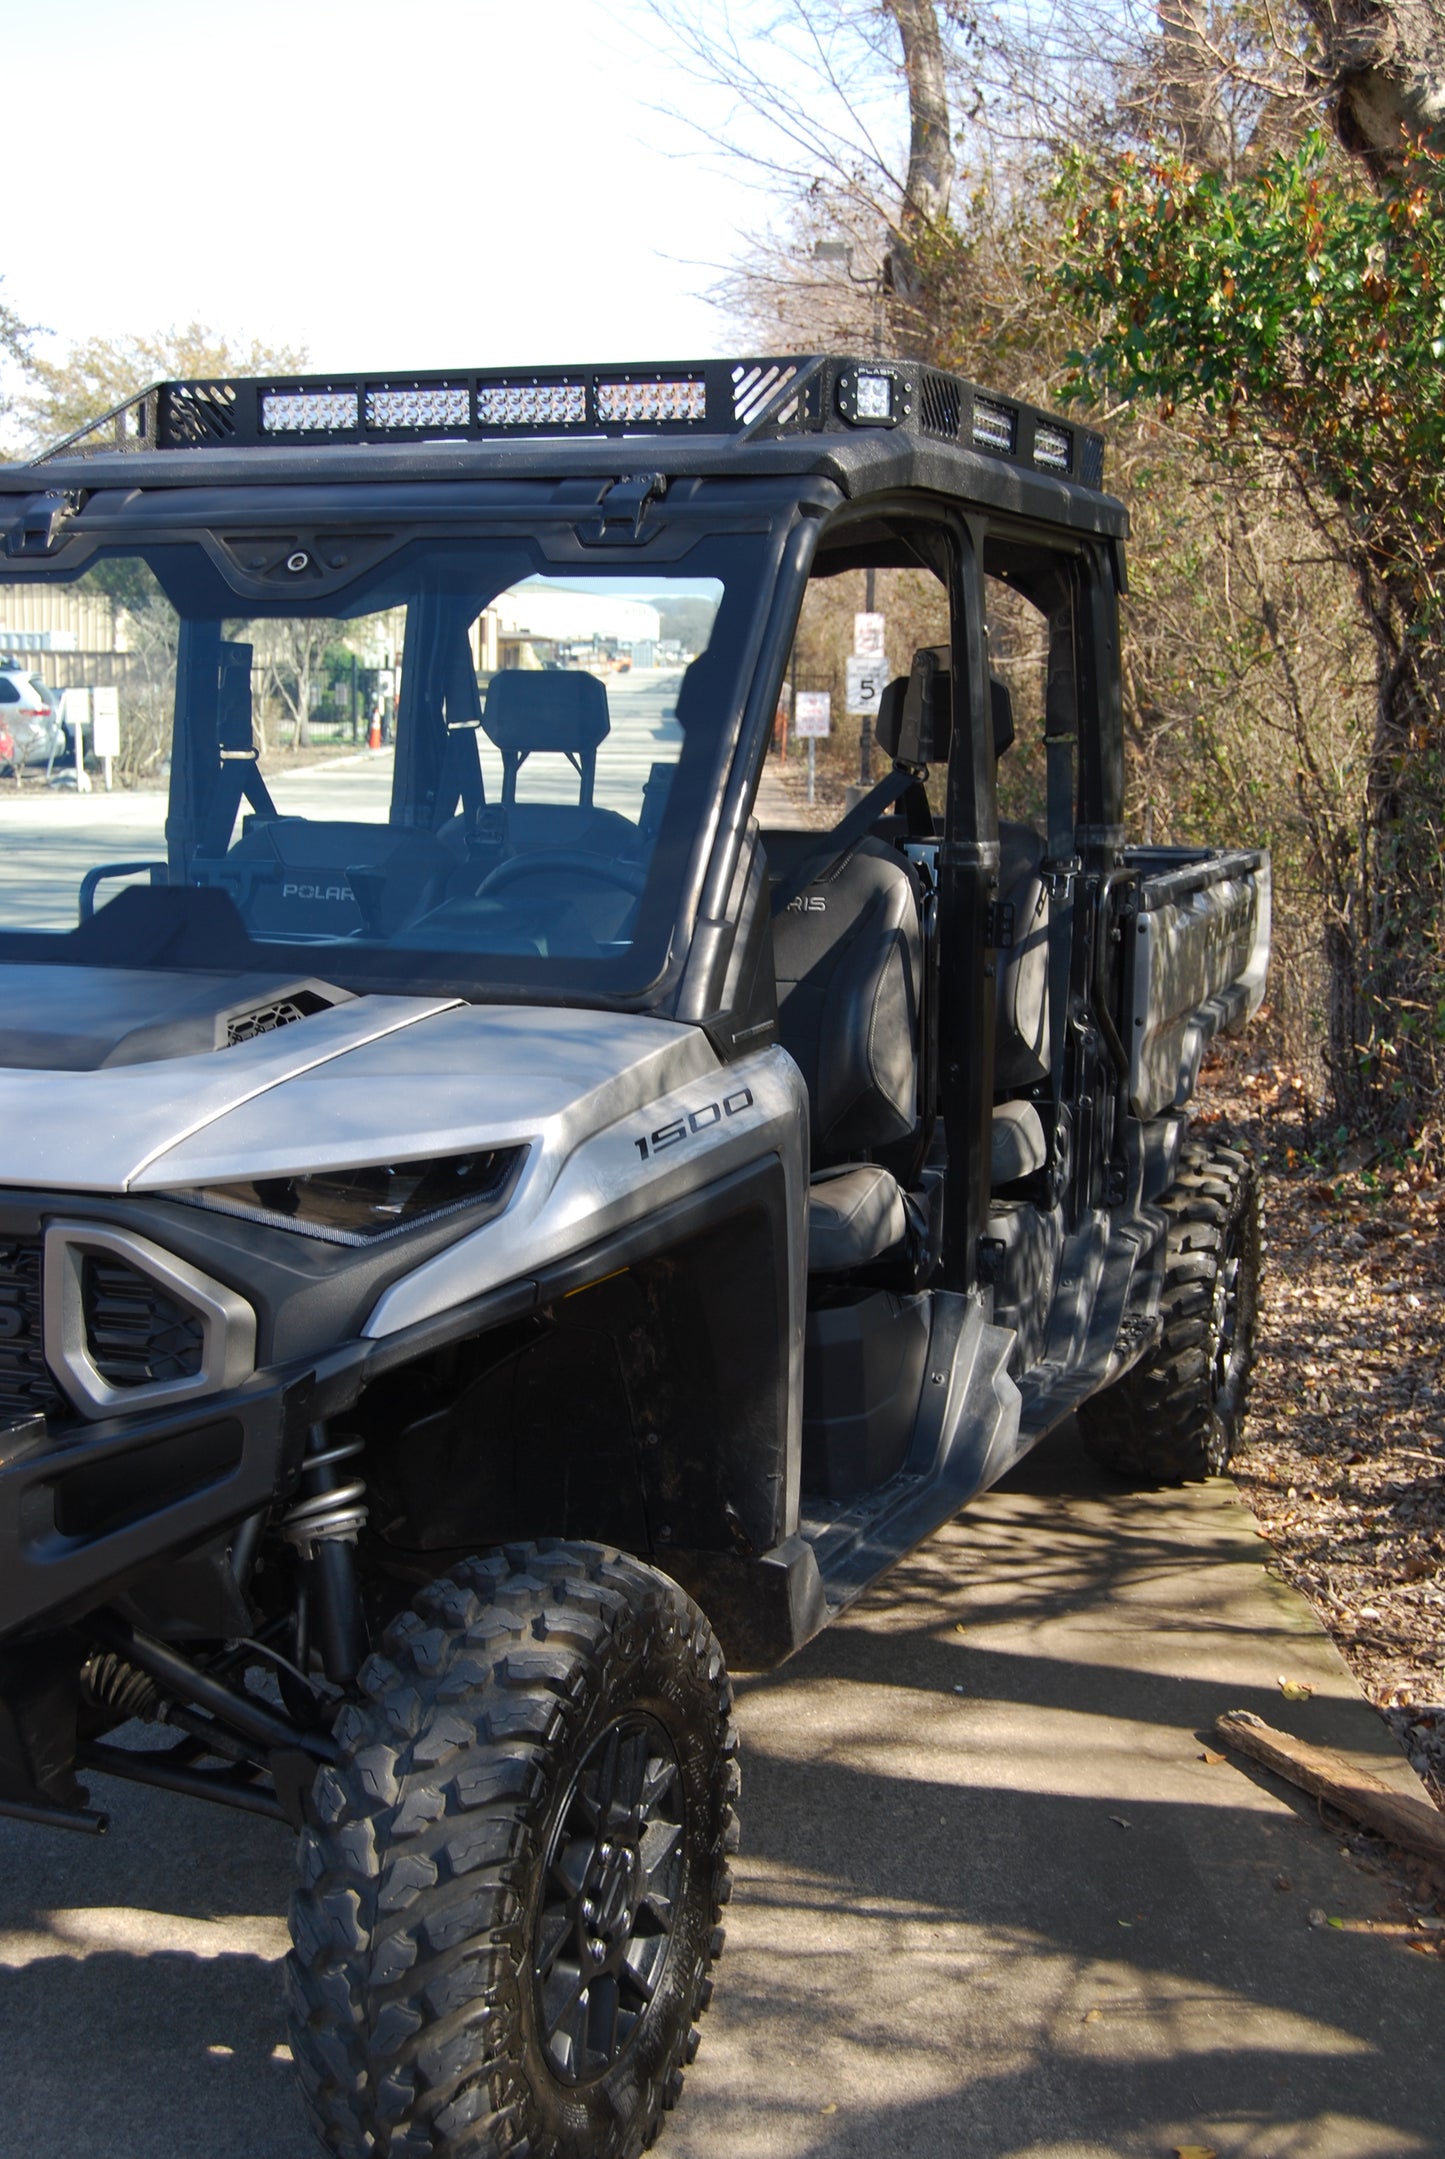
x: 420, y: 183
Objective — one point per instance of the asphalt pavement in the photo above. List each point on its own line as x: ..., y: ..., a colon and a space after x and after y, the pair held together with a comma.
x: 50, y: 836
x: 992, y: 1903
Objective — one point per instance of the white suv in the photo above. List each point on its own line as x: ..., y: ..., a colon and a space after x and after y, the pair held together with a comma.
x: 30, y: 729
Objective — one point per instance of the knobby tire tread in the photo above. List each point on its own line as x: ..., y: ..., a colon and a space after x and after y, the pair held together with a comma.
x: 1160, y: 1424
x: 409, y: 1980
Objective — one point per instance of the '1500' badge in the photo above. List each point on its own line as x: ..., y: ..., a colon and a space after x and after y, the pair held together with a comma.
x: 696, y: 1120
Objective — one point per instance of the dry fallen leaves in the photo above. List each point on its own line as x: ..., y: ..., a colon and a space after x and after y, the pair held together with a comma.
x: 1344, y: 1457
x: 1295, y: 1690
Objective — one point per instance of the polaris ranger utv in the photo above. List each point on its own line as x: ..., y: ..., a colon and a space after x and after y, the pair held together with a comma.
x: 487, y: 1232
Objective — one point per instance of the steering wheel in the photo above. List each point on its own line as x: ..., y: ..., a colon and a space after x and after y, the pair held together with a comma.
x: 631, y: 876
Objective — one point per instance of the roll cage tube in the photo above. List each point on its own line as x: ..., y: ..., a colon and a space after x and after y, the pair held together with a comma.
x: 968, y: 864
x: 700, y: 991
x: 969, y: 853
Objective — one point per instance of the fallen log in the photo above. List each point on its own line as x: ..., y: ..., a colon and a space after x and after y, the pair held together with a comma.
x: 1413, y: 1824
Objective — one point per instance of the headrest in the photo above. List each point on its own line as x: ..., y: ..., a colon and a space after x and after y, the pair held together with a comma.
x: 915, y: 714
x: 562, y: 709
x: 702, y: 685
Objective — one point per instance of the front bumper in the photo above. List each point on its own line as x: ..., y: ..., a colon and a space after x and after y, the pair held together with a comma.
x: 86, y: 1510
x: 89, y: 1509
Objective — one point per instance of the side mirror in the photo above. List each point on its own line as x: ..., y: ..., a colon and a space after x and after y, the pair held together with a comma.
x: 915, y: 715
x: 1002, y: 705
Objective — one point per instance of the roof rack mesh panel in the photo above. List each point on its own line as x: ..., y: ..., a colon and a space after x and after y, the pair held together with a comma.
x: 940, y: 404
x: 200, y: 412
x: 756, y: 387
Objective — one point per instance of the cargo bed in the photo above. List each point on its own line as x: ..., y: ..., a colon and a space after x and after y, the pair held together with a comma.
x: 1199, y: 951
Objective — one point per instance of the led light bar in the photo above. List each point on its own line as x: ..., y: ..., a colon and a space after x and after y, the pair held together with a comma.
x: 993, y: 426
x: 1053, y: 446
x: 873, y: 399
x: 438, y: 406
x: 649, y: 402
x: 532, y: 404
x: 744, y: 400
x: 295, y: 412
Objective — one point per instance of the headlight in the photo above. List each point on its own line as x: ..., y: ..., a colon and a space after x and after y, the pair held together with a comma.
x: 353, y: 1206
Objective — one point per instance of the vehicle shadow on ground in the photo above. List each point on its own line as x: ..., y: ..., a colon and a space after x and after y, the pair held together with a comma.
x: 147, y: 2056
x: 140, y: 1996
x: 1014, y: 1971
x: 946, y: 1944
x: 1065, y: 1543
x: 991, y: 1901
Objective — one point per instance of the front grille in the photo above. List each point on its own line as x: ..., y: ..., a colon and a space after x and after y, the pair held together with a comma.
x: 137, y: 1335
x: 26, y: 1387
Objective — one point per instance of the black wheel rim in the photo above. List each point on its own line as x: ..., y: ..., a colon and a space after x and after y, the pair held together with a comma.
x: 611, y: 1890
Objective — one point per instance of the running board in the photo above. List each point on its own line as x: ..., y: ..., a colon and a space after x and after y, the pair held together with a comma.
x: 972, y: 1424
x: 965, y: 1437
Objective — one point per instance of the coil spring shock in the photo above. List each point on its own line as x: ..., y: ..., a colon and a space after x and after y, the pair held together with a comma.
x: 322, y: 1527
x: 111, y: 1683
x: 329, y: 1511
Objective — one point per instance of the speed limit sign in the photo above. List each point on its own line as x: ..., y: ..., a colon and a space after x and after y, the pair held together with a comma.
x: 865, y: 686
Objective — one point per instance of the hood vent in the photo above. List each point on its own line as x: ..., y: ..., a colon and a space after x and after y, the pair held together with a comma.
x: 276, y: 1012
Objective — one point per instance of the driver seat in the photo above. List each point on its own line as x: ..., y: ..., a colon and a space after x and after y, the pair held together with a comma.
x: 848, y: 953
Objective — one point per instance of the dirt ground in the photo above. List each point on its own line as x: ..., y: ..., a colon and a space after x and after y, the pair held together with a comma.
x: 1344, y: 1456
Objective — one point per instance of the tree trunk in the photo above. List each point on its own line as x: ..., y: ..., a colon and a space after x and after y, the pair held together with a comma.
x: 1383, y: 63
x: 929, y: 185
x: 1384, y: 66
x: 1192, y: 83
x: 1395, y: 976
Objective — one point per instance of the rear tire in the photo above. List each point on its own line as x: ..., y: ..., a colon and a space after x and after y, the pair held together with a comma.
x: 511, y: 1886
x: 1179, y: 1413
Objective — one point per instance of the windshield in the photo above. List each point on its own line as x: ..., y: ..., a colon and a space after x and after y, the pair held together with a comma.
x: 464, y: 769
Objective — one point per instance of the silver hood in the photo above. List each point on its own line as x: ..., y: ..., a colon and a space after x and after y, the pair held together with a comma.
x: 619, y: 1115
x: 103, y: 1130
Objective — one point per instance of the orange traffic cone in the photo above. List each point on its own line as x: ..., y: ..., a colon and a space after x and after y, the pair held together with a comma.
x: 373, y: 734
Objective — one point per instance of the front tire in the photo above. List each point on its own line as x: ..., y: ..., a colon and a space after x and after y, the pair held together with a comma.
x: 1179, y: 1413
x: 511, y: 1887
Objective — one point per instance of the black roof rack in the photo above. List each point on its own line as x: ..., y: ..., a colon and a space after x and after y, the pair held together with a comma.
x: 758, y: 399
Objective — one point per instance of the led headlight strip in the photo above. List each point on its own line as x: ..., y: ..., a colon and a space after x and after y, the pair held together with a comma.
x: 353, y: 1206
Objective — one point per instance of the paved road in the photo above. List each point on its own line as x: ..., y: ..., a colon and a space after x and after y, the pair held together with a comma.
x: 946, y: 1942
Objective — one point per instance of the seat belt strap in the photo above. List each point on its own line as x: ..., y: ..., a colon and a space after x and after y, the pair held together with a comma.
x: 835, y: 846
